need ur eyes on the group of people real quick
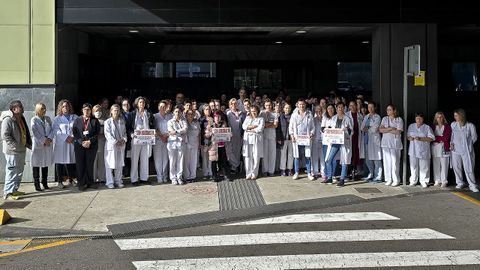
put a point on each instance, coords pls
(276, 135)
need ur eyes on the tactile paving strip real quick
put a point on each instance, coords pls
(239, 194)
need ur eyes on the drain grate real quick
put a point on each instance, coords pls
(14, 205)
(368, 190)
(239, 194)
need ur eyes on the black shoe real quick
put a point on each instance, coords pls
(226, 178)
(327, 181)
(146, 182)
(341, 183)
(92, 186)
(81, 188)
(45, 185)
(135, 184)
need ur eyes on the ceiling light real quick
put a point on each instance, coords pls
(301, 32)
(133, 31)
(278, 42)
(365, 42)
(151, 42)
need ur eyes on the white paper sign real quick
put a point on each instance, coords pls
(334, 136)
(303, 140)
(222, 134)
(144, 137)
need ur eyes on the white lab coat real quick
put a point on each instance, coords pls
(301, 126)
(253, 138)
(63, 152)
(373, 149)
(42, 155)
(361, 148)
(419, 149)
(115, 131)
(389, 140)
(175, 146)
(391, 150)
(463, 153)
(346, 148)
(160, 152)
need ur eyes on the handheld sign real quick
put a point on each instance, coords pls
(334, 136)
(222, 134)
(144, 137)
(303, 140)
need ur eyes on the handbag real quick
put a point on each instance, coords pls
(213, 152)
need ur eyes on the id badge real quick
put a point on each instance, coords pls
(85, 133)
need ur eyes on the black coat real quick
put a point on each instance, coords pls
(93, 131)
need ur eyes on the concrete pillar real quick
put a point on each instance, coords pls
(388, 41)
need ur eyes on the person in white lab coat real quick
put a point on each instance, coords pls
(191, 147)
(177, 131)
(420, 135)
(42, 146)
(99, 174)
(269, 138)
(358, 152)
(327, 122)
(301, 124)
(441, 149)
(116, 139)
(464, 135)
(391, 127)
(63, 147)
(160, 152)
(252, 142)
(242, 95)
(139, 119)
(235, 119)
(318, 160)
(344, 122)
(286, 151)
(372, 143)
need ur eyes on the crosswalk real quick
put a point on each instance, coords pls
(337, 260)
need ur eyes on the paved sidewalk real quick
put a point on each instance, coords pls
(70, 211)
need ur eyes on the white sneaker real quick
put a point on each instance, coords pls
(460, 186)
(310, 177)
(295, 176)
(120, 185)
(437, 184)
(412, 184)
(474, 189)
(110, 186)
(395, 184)
(388, 183)
(444, 184)
(424, 185)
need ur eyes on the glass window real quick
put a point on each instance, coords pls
(465, 76)
(157, 70)
(354, 76)
(266, 80)
(196, 70)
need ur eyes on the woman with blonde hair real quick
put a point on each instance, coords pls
(441, 149)
(63, 146)
(235, 119)
(116, 139)
(99, 163)
(42, 146)
(464, 135)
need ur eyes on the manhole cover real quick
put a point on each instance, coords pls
(368, 190)
(200, 189)
(14, 205)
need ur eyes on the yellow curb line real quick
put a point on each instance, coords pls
(466, 197)
(54, 244)
(15, 242)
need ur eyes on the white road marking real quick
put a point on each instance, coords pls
(324, 217)
(281, 238)
(317, 261)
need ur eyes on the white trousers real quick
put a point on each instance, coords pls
(206, 163)
(318, 161)
(251, 163)
(391, 164)
(175, 157)
(286, 155)
(111, 179)
(440, 169)
(269, 155)
(139, 154)
(419, 169)
(458, 163)
(236, 143)
(160, 155)
(190, 165)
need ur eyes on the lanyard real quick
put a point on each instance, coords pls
(85, 124)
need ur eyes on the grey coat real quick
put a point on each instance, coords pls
(11, 135)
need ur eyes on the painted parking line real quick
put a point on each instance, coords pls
(40, 247)
(324, 217)
(466, 197)
(281, 238)
(318, 261)
(9, 246)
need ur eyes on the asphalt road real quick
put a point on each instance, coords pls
(448, 224)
